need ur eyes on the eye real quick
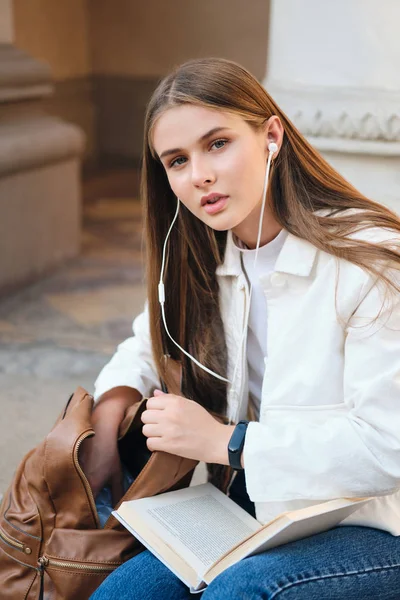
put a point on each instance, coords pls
(172, 163)
(219, 142)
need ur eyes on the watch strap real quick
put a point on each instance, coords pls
(236, 445)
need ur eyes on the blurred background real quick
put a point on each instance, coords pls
(75, 77)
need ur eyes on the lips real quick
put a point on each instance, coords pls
(212, 198)
(213, 208)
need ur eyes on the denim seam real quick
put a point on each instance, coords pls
(320, 577)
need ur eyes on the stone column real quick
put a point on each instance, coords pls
(39, 169)
(333, 67)
(6, 22)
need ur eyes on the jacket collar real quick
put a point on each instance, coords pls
(231, 264)
(297, 257)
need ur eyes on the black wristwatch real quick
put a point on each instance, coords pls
(236, 444)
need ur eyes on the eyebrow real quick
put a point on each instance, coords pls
(203, 137)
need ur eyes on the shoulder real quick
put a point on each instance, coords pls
(364, 230)
(354, 279)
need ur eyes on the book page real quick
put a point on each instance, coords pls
(163, 552)
(200, 523)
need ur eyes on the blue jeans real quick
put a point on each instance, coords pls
(345, 563)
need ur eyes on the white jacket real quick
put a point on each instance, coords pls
(330, 409)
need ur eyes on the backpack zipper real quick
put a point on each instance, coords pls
(44, 561)
(84, 478)
(14, 543)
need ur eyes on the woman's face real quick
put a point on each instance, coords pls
(206, 151)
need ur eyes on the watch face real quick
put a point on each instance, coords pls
(235, 446)
(237, 439)
(232, 449)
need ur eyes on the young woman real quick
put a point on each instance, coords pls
(311, 354)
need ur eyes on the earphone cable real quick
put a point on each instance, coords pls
(233, 418)
(161, 297)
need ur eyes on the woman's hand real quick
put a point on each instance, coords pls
(180, 426)
(99, 458)
(98, 455)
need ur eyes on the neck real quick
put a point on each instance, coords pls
(247, 231)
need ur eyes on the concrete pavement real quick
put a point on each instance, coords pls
(58, 333)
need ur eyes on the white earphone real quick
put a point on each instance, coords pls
(272, 148)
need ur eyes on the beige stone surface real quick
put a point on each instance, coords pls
(120, 207)
(40, 224)
(32, 141)
(93, 307)
(145, 39)
(73, 101)
(6, 22)
(6, 327)
(55, 31)
(59, 332)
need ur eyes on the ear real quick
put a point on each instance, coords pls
(274, 133)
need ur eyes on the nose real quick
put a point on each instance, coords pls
(202, 173)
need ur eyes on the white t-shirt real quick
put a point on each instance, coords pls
(258, 317)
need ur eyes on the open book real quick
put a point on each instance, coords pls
(198, 532)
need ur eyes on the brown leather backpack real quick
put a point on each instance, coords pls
(51, 546)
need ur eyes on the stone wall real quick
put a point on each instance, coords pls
(107, 57)
(39, 169)
(135, 43)
(58, 33)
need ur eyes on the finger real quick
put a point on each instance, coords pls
(157, 402)
(154, 444)
(151, 430)
(151, 416)
(158, 392)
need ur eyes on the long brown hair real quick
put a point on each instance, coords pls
(301, 183)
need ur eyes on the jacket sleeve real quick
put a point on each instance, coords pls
(132, 364)
(352, 450)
